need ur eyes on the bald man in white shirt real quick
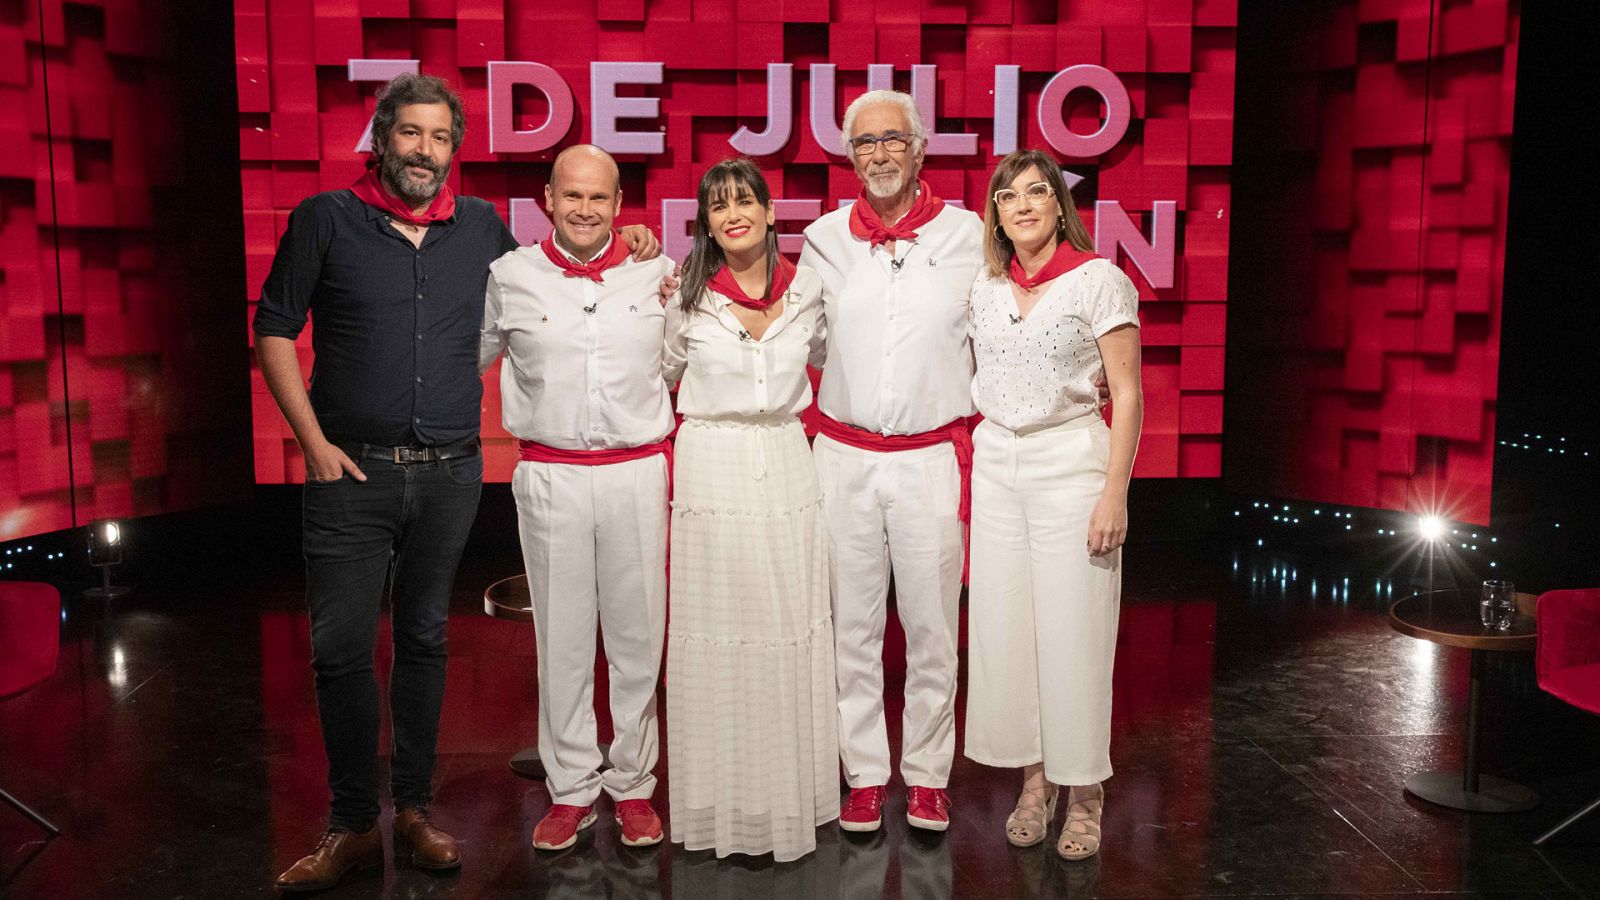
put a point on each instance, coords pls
(581, 389)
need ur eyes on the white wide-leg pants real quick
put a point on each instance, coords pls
(1041, 612)
(894, 509)
(594, 540)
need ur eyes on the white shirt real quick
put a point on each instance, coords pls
(1040, 371)
(728, 374)
(583, 371)
(898, 360)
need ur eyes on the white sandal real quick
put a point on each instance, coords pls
(1080, 836)
(1026, 826)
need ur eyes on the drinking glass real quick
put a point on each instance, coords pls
(1497, 604)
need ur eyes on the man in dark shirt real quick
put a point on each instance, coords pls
(394, 271)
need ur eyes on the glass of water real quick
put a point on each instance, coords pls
(1497, 604)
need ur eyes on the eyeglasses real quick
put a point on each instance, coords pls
(1036, 194)
(892, 141)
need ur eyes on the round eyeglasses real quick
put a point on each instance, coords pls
(892, 141)
(1036, 194)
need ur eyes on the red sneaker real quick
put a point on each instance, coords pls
(928, 808)
(863, 809)
(640, 825)
(559, 828)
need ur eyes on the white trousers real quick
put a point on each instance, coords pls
(1041, 612)
(898, 510)
(594, 540)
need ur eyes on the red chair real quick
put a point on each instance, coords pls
(30, 640)
(1568, 661)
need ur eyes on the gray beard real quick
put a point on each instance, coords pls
(393, 169)
(881, 187)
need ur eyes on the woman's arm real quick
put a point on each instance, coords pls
(1119, 352)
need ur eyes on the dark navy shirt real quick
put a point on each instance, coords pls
(396, 336)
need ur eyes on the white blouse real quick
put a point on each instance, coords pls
(725, 373)
(1040, 371)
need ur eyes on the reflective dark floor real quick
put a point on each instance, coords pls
(1263, 729)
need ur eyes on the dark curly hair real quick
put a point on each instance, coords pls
(406, 90)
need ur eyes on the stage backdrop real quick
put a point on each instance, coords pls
(1374, 162)
(1135, 98)
(121, 382)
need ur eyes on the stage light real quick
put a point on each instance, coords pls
(105, 551)
(1430, 527)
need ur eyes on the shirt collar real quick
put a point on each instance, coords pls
(569, 255)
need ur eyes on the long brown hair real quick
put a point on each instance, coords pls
(997, 250)
(727, 180)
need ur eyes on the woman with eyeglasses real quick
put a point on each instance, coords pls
(751, 690)
(1049, 500)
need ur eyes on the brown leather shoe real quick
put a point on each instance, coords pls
(337, 853)
(429, 847)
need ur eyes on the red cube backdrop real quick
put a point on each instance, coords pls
(301, 117)
(1365, 370)
(112, 402)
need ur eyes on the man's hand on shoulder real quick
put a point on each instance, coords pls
(670, 284)
(642, 243)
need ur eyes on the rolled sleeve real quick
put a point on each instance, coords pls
(296, 271)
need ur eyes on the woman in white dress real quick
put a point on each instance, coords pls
(753, 765)
(1049, 500)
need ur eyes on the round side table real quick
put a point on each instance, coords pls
(1451, 618)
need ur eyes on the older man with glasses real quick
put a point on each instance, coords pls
(894, 451)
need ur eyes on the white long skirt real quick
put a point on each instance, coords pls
(753, 752)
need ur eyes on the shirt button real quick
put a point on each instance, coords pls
(419, 297)
(419, 335)
(419, 379)
(760, 381)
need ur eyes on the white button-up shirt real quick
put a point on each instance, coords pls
(583, 371)
(726, 373)
(898, 361)
(1040, 371)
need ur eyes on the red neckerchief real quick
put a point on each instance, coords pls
(593, 269)
(866, 225)
(1065, 258)
(371, 192)
(725, 284)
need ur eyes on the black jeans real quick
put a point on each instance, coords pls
(407, 523)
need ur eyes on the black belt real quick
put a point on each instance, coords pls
(412, 454)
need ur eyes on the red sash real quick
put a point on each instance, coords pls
(533, 451)
(956, 433)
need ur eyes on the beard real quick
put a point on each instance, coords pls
(407, 188)
(885, 181)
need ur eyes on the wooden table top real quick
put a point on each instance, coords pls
(509, 599)
(1451, 617)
